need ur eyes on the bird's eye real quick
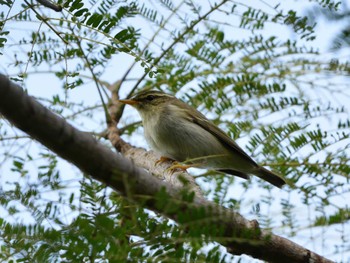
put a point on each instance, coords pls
(150, 97)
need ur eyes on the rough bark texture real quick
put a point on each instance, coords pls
(240, 235)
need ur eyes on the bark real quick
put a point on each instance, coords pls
(170, 198)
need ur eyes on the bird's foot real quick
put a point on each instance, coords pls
(181, 167)
(175, 165)
(164, 159)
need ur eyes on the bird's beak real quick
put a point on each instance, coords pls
(130, 102)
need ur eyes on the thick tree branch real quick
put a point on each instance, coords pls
(238, 234)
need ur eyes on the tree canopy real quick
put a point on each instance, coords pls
(253, 68)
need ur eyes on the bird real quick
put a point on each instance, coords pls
(181, 133)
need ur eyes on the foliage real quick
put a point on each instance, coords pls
(279, 97)
(341, 38)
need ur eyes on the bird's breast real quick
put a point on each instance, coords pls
(182, 140)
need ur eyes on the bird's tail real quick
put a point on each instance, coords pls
(270, 177)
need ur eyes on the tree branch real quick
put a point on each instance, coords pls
(51, 5)
(227, 227)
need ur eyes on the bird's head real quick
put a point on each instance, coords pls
(149, 101)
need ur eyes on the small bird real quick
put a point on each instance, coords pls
(181, 133)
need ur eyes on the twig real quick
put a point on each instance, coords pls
(97, 83)
(147, 45)
(45, 21)
(176, 40)
(126, 127)
(50, 5)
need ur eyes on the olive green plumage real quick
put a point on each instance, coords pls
(180, 132)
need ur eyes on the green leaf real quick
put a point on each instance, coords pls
(341, 216)
(94, 20)
(81, 12)
(121, 35)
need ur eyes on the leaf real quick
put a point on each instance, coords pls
(121, 34)
(81, 12)
(94, 20)
(341, 216)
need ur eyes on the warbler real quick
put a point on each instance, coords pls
(180, 132)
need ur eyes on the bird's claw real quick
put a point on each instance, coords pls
(181, 167)
(175, 165)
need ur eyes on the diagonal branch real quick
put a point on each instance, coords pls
(51, 5)
(194, 213)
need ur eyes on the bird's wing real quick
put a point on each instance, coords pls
(199, 119)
